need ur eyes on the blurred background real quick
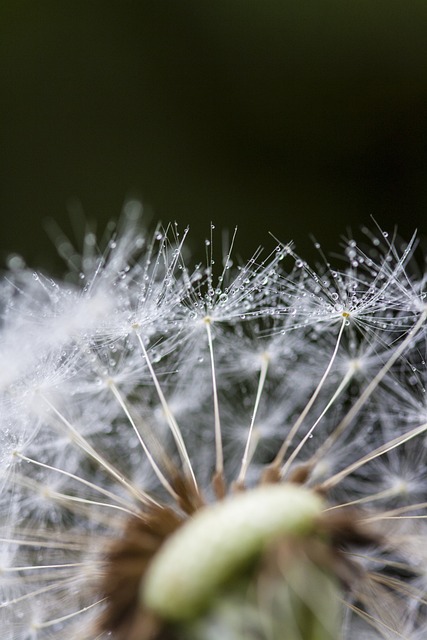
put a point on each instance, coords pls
(293, 118)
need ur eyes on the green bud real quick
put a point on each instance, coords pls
(219, 542)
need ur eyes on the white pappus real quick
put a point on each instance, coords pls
(269, 418)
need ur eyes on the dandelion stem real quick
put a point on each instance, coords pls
(36, 567)
(373, 621)
(387, 493)
(51, 623)
(58, 584)
(96, 487)
(364, 396)
(393, 513)
(348, 376)
(90, 451)
(219, 467)
(42, 544)
(265, 361)
(155, 467)
(282, 451)
(63, 497)
(388, 446)
(173, 425)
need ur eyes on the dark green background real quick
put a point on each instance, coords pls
(291, 117)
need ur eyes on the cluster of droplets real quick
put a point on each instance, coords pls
(137, 364)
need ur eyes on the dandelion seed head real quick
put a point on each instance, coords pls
(142, 396)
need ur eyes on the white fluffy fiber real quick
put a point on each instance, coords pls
(104, 373)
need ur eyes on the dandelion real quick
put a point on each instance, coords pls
(235, 450)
